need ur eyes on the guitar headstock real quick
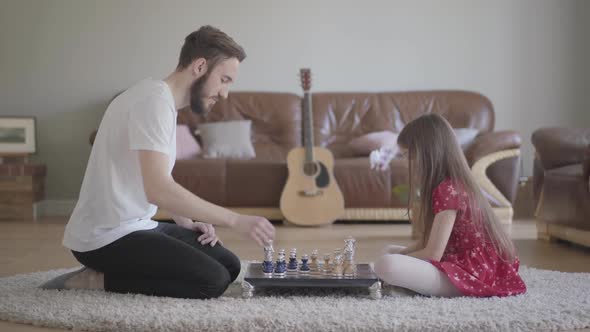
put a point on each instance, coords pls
(305, 76)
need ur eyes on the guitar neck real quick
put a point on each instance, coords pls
(308, 128)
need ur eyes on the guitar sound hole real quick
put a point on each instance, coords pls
(310, 169)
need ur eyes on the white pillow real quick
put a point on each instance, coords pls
(364, 145)
(465, 136)
(228, 139)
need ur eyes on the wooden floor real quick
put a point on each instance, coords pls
(29, 247)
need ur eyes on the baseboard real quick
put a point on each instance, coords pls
(504, 214)
(549, 232)
(61, 208)
(55, 208)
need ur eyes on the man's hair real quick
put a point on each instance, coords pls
(211, 44)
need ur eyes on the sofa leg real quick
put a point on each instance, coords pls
(557, 232)
(543, 232)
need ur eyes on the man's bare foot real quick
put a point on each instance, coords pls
(86, 279)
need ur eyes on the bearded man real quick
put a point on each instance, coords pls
(128, 177)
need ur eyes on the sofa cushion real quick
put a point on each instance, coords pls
(227, 139)
(462, 109)
(276, 120)
(187, 146)
(340, 117)
(255, 183)
(204, 177)
(365, 144)
(361, 186)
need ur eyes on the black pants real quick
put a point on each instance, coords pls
(165, 261)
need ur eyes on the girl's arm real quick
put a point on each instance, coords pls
(439, 236)
(392, 249)
(411, 248)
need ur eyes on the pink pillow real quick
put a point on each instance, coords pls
(187, 146)
(363, 145)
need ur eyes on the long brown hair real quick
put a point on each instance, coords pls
(434, 155)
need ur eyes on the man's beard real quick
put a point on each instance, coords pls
(197, 95)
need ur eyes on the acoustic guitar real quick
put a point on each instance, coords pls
(311, 195)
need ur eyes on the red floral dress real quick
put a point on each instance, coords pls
(470, 260)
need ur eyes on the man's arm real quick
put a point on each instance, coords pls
(181, 221)
(163, 191)
(442, 227)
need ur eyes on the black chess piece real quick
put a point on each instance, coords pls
(304, 266)
(281, 265)
(292, 266)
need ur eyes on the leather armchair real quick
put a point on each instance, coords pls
(561, 183)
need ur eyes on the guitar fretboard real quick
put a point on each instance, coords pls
(308, 127)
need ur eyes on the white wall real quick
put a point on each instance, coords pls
(583, 91)
(63, 60)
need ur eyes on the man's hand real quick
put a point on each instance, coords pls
(208, 236)
(257, 228)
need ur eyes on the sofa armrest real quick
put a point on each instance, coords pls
(494, 159)
(489, 143)
(557, 147)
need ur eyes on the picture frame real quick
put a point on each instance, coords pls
(17, 135)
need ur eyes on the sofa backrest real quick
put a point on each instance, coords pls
(276, 120)
(340, 117)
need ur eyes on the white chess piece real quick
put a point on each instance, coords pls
(268, 251)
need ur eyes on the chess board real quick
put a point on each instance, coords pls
(364, 278)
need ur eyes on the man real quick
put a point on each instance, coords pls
(129, 176)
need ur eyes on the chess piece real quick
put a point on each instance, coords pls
(267, 265)
(292, 267)
(337, 265)
(349, 266)
(327, 269)
(314, 266)
(304, 266)
(281, 265)
(337, 251)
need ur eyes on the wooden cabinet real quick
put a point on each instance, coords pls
(22, 186)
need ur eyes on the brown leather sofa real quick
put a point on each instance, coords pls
(561, 183)
(254, 186)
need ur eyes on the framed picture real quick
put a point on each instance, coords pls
(17, 135)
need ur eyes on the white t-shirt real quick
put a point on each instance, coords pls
(112, 200)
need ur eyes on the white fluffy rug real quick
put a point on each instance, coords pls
(554, 301)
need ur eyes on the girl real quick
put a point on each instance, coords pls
(462, 249)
